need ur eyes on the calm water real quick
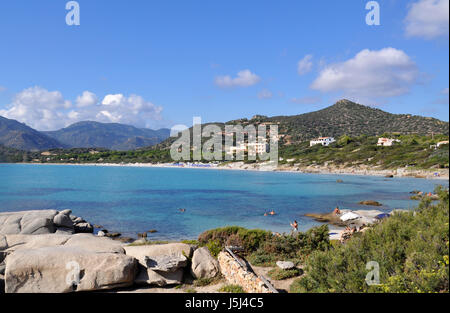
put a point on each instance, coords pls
(131, 200)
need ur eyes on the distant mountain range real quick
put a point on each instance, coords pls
(344, 117)
(17, 135)
(79, 135)
(112, 136)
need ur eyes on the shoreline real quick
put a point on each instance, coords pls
(264, 167)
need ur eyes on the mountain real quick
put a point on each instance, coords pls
(108, 135)
(344, 117)
(14, 134)
(347, 117)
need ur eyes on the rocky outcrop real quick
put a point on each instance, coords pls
(204, 265)
(285, 265)
(65, 269)
(42, 222)
(160, 264)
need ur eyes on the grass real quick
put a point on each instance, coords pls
(280, 274)
(231, 289)
(201, 282)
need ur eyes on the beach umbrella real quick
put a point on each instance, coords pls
(382, 215)
(349, 216)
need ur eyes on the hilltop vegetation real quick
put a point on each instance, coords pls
(412, 151)
(352, 119)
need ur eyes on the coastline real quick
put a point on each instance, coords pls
(442, 174)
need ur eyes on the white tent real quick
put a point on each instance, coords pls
(349, 216)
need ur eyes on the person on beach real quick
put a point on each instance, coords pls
(337, 211)
(294, 226)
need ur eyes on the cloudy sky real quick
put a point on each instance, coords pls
(159, 63)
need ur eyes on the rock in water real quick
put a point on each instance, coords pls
(84, 228)
(204, 265)
(285, 265)
(57, 269)
(370, 202)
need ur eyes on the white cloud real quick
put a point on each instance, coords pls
(369, 75)
(38, 108)
(45, 110)
(245, 78)
(265, 94)
(305, 65)
(428, 19)
(86, 99)
(445, 91)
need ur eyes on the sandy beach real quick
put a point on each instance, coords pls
(440, 174)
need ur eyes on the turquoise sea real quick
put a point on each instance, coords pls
(136, 199)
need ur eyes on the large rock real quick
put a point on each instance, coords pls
(93, 243)
(160, 264)
(62, 220)
(285, 265)
(166, 263)
(151, 251)
(204, 265)
(84, 228)
(150, 277)
(54, 270)
(18, 242)
(27, 222)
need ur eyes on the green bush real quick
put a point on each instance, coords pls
(411, 248)
(294, 247)
(280, 274)
(231, 289)
(249, 239)
(214, 247)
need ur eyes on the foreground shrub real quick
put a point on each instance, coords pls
(231, 289)
(296, 247)
(249, 239)
(411, 249)
(280, 274)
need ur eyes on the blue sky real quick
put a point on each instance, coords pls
(159, 63)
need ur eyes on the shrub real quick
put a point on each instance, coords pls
(411, 248)
(280, 274)
(249, 239)
(231, 289)
(294, 247)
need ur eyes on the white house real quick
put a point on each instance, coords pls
(324, 141)
(386, 142)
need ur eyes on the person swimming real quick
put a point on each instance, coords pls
(272, 212)
(182, 210)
